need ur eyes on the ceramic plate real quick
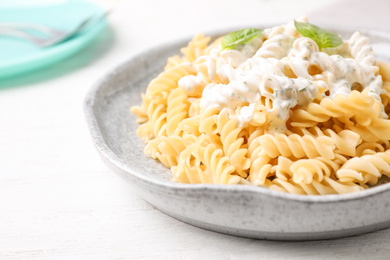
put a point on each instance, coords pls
(20, 56)
(246, 211)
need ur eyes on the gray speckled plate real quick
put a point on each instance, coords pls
(247, 211)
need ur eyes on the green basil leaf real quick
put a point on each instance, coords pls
(235, 39)
(323, 38)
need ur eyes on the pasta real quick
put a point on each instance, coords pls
(277, 108)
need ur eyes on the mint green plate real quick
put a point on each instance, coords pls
(20, 56)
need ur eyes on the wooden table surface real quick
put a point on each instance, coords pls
(58, 200)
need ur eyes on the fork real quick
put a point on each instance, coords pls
(47, 36)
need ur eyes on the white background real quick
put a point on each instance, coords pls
(57, 198)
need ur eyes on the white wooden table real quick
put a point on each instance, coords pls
(57, 198)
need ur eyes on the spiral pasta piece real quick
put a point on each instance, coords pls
(168, 149)
(195, 48)
(194, 109)
(327, 186)
(177, 109)
(156, 126)
(366, 169)
(159, 88)
(345, 141)
(372, 147)
(384, 70)
(254, 146)
(188, 126)
(356, 104)
(307, 170)
(218, 165)
(232, 145)
(208, 121)
(260, 169)
(207, 69)
(297, 146)
(380, 128)
(173, 61)
(275, 46)
(385, 97)
(189, 168)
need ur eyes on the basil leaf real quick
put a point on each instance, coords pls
(323, 38)
(235, 39)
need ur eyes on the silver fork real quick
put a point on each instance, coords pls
(47, 36)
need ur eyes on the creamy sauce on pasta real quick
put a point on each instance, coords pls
(281, 70)
(191, 84)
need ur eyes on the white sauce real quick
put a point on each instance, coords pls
(192, 84)
(259, 70)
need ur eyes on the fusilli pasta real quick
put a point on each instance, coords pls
(273, 108)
